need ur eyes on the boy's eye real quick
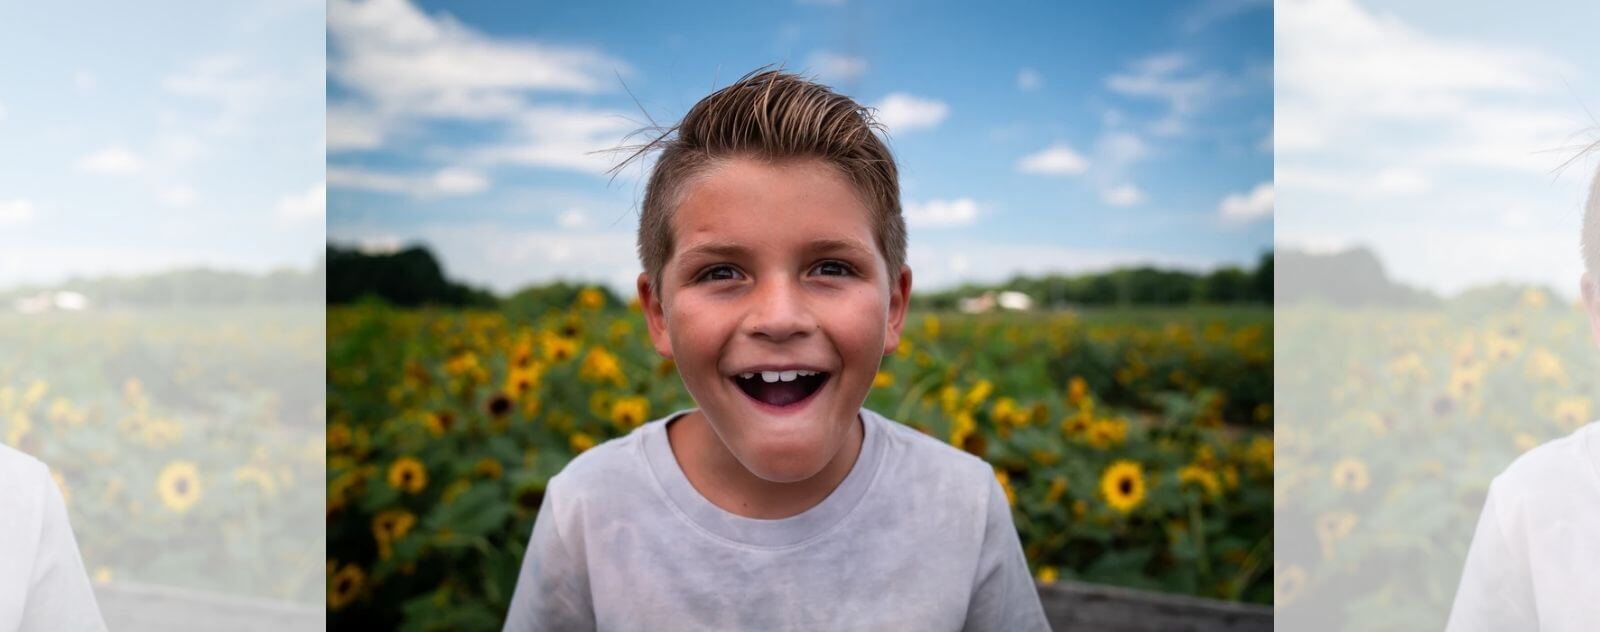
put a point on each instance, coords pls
(719, 273)
(832, 268)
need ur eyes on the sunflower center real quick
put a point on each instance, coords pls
(1125, 486)
(182, 486)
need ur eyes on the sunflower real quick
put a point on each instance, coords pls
(261, 478)
(558, 349)
(1333, 527)
(1058, 486)
(345, 585)
(1572, 412)
(629, 412)
(1077, 391)
(580, 442)
(179, 485)
(338, 437)
(1351, 475)
(883, 379)
(498, 405)
(1048, 575)
(591, 299)
(1123, 485)
(388, 527)
(599, 366)
(1106, 433)
(1203, 477)
(488, 467)
(407, 474)
(1290, 583)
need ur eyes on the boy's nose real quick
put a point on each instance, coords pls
(780, 312)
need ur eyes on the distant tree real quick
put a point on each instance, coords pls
(408, 278)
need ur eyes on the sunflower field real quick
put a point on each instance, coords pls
(1134, 445)
(186, 442)
(1392, 424)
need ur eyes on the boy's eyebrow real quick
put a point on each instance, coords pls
(836, 245)
(717, 248)
(734, 249)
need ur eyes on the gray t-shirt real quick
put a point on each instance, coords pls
(918, 536)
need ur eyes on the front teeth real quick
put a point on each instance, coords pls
(778, 376)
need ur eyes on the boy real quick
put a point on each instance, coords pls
(43, 586)
(1535, 559)
(775, 278)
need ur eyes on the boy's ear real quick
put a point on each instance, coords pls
(899, 301)
(1591, 305)
(654, 317)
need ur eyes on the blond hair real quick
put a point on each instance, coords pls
(770, 115)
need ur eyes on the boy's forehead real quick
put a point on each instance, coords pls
(745, 206)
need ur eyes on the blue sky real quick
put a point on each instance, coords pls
(137, 137)
(1433, 131)
(1032, 137)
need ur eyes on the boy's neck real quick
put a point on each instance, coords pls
(721, 479)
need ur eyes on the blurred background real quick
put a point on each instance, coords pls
(1428, 329)
(1093, 182)
(161, 319)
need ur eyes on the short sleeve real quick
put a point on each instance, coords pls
(552, 590)
(1496, 591)
(1003, 594)
(60, 598)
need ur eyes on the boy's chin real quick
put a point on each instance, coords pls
(783, 464)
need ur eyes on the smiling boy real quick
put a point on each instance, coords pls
(775, 278)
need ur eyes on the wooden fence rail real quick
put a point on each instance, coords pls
(1068, 605)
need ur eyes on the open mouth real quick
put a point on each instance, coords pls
(781, 388)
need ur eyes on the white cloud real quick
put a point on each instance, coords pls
(380, 245)
(901, 112)
(404, 60)
(177, 196)
(444, 182)
(111, 160)
(561, 138)
(573, 218)
(458, 181)
(351, 128)
(941, 213)
(1350, 78)
(1056, 160)
(833, 67)
(16, 211)
(240, 92)
(311, 205)
(1122, 195)
(1163, 77)
(1029, 80)
(1243, 207)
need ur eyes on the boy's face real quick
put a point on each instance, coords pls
(775, 273)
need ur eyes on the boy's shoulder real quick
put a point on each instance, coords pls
(26, 479)
(614, 461)
(1550, 475)
(919, 457)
